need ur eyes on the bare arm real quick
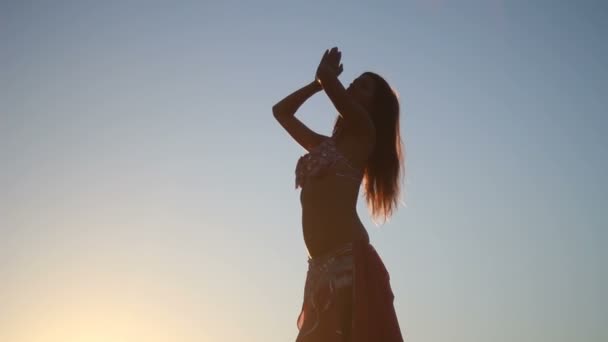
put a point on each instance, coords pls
(353, 113)
(284, 111)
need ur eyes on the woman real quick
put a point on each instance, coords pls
(347, 295)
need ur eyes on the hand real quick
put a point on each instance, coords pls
(330, 65)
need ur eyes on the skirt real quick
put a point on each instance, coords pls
(348, 298)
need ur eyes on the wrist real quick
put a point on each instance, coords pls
(316, 85)
(325, 75)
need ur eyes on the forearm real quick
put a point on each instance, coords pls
(349, 109)
(335, 91)
(290, 104)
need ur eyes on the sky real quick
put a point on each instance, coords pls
(147, 191)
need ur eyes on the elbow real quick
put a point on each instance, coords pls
(275, 111)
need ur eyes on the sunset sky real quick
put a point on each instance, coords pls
(147, 193)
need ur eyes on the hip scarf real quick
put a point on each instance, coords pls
(354, 278)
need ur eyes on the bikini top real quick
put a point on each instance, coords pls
(320, 159)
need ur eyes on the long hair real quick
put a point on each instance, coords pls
(385, 166)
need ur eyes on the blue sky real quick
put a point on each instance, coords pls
(148, 192)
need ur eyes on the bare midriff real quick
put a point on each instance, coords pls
(329, 213)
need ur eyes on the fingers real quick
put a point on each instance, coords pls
(332, 58)
(335, 53)
(325, 56)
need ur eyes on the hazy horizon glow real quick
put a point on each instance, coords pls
(147, 192)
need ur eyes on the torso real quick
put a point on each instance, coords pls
(329, 201)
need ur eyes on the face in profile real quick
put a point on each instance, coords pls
(362, 90)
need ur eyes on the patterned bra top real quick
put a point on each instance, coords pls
(320, 159)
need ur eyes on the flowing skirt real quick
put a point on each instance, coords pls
(348, 298)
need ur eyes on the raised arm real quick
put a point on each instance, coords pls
(284, 111)
(352, 112)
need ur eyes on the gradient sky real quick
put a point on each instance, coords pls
(147, 192)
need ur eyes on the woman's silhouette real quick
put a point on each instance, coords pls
(347, 295)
